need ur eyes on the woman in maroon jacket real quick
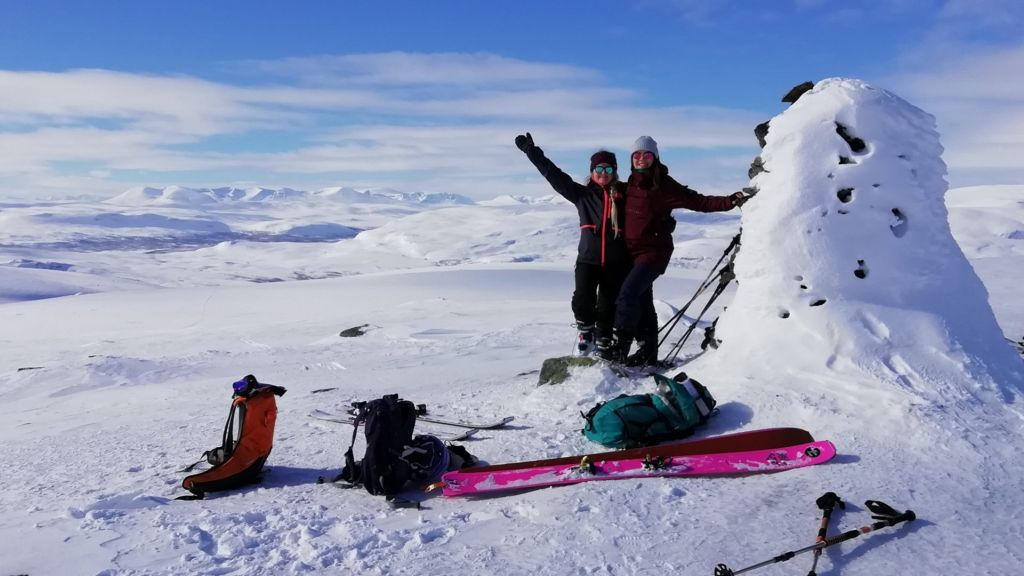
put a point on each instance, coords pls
(651, 195)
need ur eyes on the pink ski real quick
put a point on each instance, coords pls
(468, 482)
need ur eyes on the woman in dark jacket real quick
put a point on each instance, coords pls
(651, 195)
(602, 261)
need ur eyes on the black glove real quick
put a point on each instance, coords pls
(525, 143)
(739, 198)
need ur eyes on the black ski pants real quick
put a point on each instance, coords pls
(634, 309)
(597, 289)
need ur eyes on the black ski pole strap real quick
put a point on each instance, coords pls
(879, 508)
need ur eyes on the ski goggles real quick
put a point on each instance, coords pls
(604, 170)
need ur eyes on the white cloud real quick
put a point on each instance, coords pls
(388, 116)
(978, 101)
(426, 121)
(412, 69)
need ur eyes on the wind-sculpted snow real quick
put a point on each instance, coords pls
(847, 250)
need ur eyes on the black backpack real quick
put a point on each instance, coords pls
(389, 423)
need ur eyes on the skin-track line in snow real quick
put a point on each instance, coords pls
(444, 437)
(469, 482)
(740, 441)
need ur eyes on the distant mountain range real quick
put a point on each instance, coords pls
(180, 195)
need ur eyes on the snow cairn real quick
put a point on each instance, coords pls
(848, 264)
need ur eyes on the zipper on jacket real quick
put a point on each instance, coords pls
(604, 222)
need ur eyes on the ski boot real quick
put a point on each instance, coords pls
(646, 354)
(619, 348)
(584, 340)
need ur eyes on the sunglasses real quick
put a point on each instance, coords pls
(604, 170)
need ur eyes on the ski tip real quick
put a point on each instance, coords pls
(469, 433)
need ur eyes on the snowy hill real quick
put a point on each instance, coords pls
(178, 195)
(108, 394)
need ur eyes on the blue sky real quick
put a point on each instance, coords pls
(100, 96)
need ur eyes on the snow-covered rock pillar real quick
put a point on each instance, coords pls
(847, 260)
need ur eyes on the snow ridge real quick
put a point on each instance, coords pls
(183, 196)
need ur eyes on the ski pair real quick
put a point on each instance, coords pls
(749, 452)
(469, 482)
(443, 436)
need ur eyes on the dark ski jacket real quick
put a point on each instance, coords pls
(649, 222)
(598, 244)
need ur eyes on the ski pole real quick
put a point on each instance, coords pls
(671, 324)
(885, 514)
(725, 276)
(827, 503)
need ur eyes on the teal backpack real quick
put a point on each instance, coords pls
(679, 406)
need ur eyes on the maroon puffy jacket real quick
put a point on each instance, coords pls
(649, 222)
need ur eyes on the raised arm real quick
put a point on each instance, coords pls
(559, 180)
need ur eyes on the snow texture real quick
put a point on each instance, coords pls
(123, 325)
(847, 250)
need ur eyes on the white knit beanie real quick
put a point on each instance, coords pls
(647, 144)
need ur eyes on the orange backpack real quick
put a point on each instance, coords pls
(248, 439)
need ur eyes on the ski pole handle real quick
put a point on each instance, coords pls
(827, 503)
(904, 517)
(907, 516)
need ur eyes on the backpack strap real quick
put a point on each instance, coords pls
(633, 433)
(589, 416)
(196, 463)
(351, 471)
(221, 453)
